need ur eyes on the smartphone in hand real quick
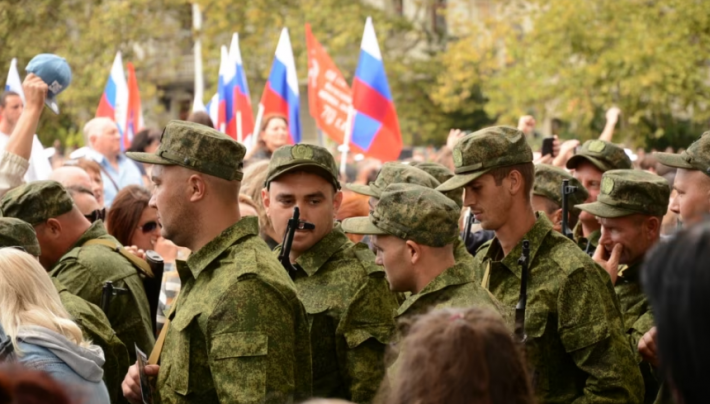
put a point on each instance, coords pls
(146, 391)
(547, 146)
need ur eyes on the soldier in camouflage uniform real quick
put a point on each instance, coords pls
(593, 159)
(93, 322)
(630, 208)
(350, 308)
(692, 180)
(547, 195)
(575, 344)
(398, 173)
(62, 232)
(415, 228)
(237, 332)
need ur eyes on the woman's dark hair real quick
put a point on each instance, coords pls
(201, 117)
(143, 139)
(126, 211)
(265, 123)
(458, 356)
(676, 279)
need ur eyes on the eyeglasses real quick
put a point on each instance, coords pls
(150, 226)
(98, 214)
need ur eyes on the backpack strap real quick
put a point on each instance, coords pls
(141, 264)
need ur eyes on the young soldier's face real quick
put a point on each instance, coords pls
(692, 200)
(392, 255)
(590, 177)
(316, 199)
(490, 203)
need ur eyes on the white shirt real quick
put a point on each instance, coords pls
(39, 169)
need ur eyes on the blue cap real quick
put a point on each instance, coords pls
(54, 71)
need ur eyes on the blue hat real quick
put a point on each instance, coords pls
(54, 71)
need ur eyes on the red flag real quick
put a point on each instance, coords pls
(329, 96)
(134, 115)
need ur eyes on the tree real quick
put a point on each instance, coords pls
(573, 60)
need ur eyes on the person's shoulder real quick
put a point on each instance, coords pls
(89, 316)
(251, 258)
(357, 257)
(562, 254)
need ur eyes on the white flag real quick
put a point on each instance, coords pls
(13, 82)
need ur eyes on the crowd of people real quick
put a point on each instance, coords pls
(469, 275)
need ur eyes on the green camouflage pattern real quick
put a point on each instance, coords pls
(238, 333)
(441, 174)
(455, 287)
(96, 328)
(351, 316)
(303, 157)
(638, 320)
(411, 212)
(84, 270)
(587, 244)
(197, 147)
(18, 233)
(548, 183)
(394, 173)
(628, 192)
(36, 202)
(477, 153)
(461, 254)
(697, 157)
(575, 345)
(602, 154)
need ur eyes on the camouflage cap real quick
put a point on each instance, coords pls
(197, 147)
(602, 154)
(18, 233)
(394, 173)
(627, 192)
(697, 157)
(410, 212)
(548, 183)
(442, 174)
(37, 201)
(479, 152)
(303, 157)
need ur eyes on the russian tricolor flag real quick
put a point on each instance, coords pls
(375, 126)
(114, 101)
(244, 116)
(225, 91)
(281, 91)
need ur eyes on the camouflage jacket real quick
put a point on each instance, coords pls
(576, 345)
(238, 333)
(96, 327)
(638, 320)
(83, 270)
(587, 244)
(461, 254)
(350, 311)
(452, 288)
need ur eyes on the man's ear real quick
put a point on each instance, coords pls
(653, 226)
(556, 216)
(515, 182)
(53, 228)
(196, 187)
(266, 199)
(337, 201)
(414, 251)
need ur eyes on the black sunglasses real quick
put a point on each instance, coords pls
(98, 214)
(150, 226)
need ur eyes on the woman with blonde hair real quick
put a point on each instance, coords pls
(42, 333)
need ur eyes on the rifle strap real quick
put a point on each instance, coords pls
(486, 276)
(158, 347)
(142, 265)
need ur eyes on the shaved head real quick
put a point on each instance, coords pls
(72, 177)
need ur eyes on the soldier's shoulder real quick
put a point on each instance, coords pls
(355, 260)
(89, 316)
(251, 258)
(563, 254)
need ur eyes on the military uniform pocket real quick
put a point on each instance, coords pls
(238, 364)
(177, 354)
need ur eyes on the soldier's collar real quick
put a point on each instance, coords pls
(321, 252)
(535, 235)
(631, 273)
(200, 259)
(458, 274)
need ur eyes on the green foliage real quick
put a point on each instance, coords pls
(572, 60)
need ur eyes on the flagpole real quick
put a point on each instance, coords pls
(198, 104)
(257, 126)
(346, 141)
